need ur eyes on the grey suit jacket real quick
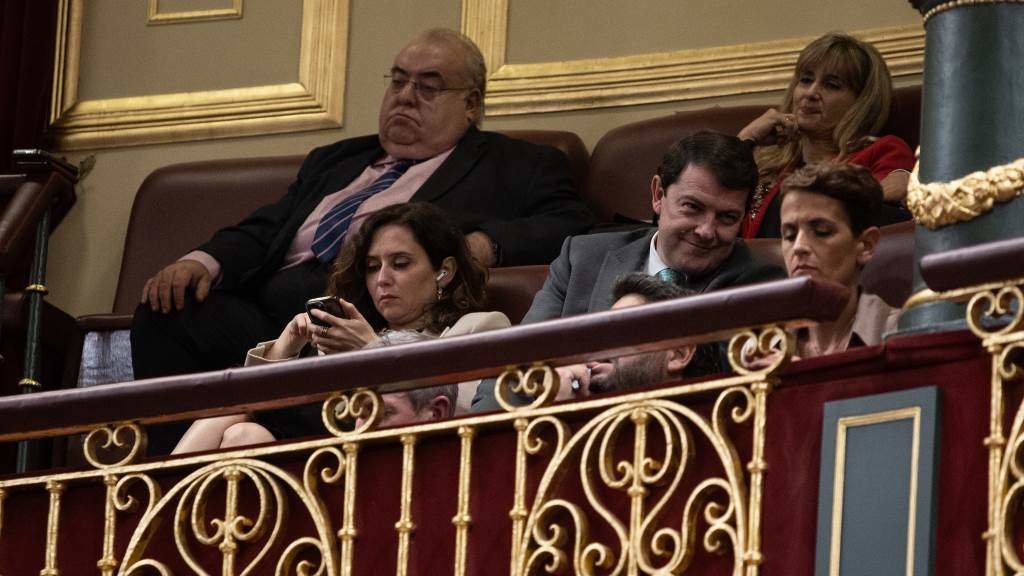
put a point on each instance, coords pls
(581, 279)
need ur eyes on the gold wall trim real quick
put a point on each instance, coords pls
(938, 204)
(913, 414)
(314, 102)
(656, 77)
(155, 17)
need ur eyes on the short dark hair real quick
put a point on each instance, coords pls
(853, 186)
(705, 358)
(440, 238)
(647, 287)
(730, 159)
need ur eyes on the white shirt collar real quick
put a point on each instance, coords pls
(654, 262)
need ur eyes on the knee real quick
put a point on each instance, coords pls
(244, 434)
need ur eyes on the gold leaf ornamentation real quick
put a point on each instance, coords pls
(939, 204)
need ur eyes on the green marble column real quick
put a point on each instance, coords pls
(972, 119)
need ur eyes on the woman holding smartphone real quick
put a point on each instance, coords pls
(407, 268)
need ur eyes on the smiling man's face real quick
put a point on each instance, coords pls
(698, 220)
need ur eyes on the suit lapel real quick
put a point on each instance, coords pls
(462, 159)
(618, 262)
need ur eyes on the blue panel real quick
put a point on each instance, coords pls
(876, 496)
(876, 483)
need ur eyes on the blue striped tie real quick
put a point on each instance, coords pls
(332, 227)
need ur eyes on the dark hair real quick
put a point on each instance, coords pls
(705, 358)
(440, 239)
(853, 186)
(730, 159)
(419, 398)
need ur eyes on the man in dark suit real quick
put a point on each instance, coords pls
(699, 196)
(515, 201)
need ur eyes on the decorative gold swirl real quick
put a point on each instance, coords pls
(138, 568)
(540, 382)
(287, 565)
(764, 350)
(650, 480)
(362, 408)
(231, 531)
(938, 204)
(112, 437)
(534, 444)
(996, 312)
(125, 502)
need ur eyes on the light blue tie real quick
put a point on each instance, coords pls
(333, 226)
(669, 276)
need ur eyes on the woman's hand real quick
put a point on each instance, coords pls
(294, 336)
(341, 334)
(772, 127)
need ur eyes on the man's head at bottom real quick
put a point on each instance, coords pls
(418, 405)
(634, 371)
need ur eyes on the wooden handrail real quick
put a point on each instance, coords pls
(702, 318)
(986, 263)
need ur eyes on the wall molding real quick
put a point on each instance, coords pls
(314, 102)
(655, 77)
(157, 18)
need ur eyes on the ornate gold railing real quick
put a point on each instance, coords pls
(637, 483)
(990, 278)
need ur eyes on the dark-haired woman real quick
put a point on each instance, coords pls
(408, 268)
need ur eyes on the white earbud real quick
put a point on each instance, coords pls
(441, 276)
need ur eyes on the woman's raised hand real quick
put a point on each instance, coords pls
(341, 334)
(770, 128)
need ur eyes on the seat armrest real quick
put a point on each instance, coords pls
(104, 322)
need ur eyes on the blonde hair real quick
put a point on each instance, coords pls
(862, 68)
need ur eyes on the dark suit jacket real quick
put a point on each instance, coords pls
(581, 279)
(520, 194)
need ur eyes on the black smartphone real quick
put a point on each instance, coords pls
(328, 304)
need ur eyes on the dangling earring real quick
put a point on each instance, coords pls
(440, 292)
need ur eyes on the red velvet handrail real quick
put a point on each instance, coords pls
(974, 265)
(705, 317)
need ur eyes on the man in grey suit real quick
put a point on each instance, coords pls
(700, 195)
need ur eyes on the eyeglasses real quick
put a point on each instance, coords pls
(424, 91)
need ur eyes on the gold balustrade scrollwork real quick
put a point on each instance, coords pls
(259, 524)
(761, 350)
(995, 314)
(538, 382)
(361, 409)
(642, 451)
(126, 437)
